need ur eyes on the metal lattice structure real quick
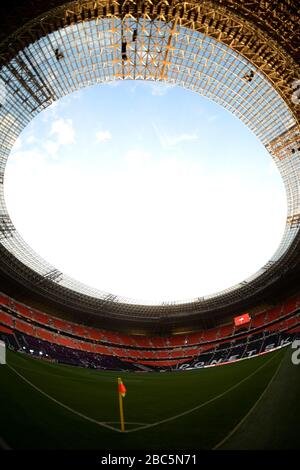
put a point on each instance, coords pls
(213, 48)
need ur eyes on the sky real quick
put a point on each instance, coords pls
(147, 191)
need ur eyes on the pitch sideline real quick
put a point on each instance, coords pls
(239, 424)
(211, 400)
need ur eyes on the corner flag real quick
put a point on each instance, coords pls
(122, 388)
(121, 393)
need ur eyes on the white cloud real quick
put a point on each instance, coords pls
(136, 158)
(160, 88)
(63, 130)
(167, 141)
(103, 136)
(172, 140)
(18, 144)
(31, 139)
(272, 168)
(51, 147)
(212, 118)
(113, 83)
(62, 133)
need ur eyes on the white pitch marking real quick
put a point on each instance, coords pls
(179, 415)
(99, 423)
(144, 426)
(127, 422)
(233, 431)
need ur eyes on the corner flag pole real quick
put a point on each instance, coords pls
(121, 394)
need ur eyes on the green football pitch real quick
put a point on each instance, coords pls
(49, 406)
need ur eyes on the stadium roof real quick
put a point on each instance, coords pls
(243, 55)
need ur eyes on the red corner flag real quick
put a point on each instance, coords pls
(242, 319)
(121, 393)
(122, 388)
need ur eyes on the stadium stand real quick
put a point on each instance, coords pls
(63, 341)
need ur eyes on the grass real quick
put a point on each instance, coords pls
(31, 420)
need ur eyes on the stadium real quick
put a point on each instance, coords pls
(202, 374)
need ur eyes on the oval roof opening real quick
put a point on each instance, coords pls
(147, 191)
